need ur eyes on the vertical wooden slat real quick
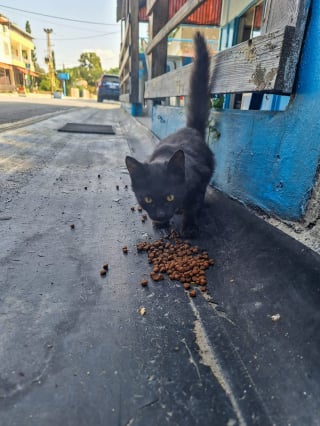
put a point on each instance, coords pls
(278, 14)
(171, 24)
(159, 18)
(134, 52)
(150, 5)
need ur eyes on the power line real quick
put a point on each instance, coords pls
(56, 17)
(81, 37)
(84, 38)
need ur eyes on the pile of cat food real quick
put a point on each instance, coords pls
(179, 260)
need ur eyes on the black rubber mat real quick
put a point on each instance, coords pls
(87, 128)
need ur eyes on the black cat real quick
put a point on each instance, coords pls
(175, 177)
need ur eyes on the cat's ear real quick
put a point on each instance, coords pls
(134, 167)
(176, 164)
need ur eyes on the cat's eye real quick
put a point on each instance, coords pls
(148, 200)
(170, 197)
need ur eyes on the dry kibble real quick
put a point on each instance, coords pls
(103, 272)
(125, 249)
(105, 266)
(156, 277)
(179, 260)
(144, 283)
(139, 209)
(192, 293)
(72, 226)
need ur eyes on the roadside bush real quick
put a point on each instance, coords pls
(45, 85)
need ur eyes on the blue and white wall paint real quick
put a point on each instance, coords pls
(268, 159)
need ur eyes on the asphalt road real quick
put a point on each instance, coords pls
(75, 348)
(14, 108)
(11, 112)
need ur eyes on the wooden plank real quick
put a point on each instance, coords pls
(122, 55)
(127, 30)
(125, 97)
(179, 17)
(125, 78)
(279, 13)
(125, 61)
(158, 57)
(150, 5)
(125, 42)
(134, 52)
(296, 45)
(174, 83)
(255, 65)
(119, 10)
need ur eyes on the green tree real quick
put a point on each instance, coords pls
(28, 27)
(33, 53)
(113, 71)
(53, 59)
(90, 68)
(45, 83)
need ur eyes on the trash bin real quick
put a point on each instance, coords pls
(58, 94)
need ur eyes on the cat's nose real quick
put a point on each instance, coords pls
(162, 215)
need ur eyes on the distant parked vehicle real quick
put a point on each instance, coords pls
(108, 87)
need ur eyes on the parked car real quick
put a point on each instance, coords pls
(108, 87)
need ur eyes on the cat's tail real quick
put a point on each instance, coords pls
(199, 94)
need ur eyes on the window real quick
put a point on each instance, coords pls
(250, 23)
(6, 48)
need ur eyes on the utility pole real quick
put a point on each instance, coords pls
(49, 60)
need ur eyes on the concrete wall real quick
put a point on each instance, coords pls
(267, 159)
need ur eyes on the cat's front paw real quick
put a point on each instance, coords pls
(160, 225)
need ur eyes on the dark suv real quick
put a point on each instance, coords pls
(108, 87)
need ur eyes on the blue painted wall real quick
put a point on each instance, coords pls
(267, 159)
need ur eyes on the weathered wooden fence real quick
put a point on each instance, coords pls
(266, 63)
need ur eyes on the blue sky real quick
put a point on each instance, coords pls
(69, 39)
